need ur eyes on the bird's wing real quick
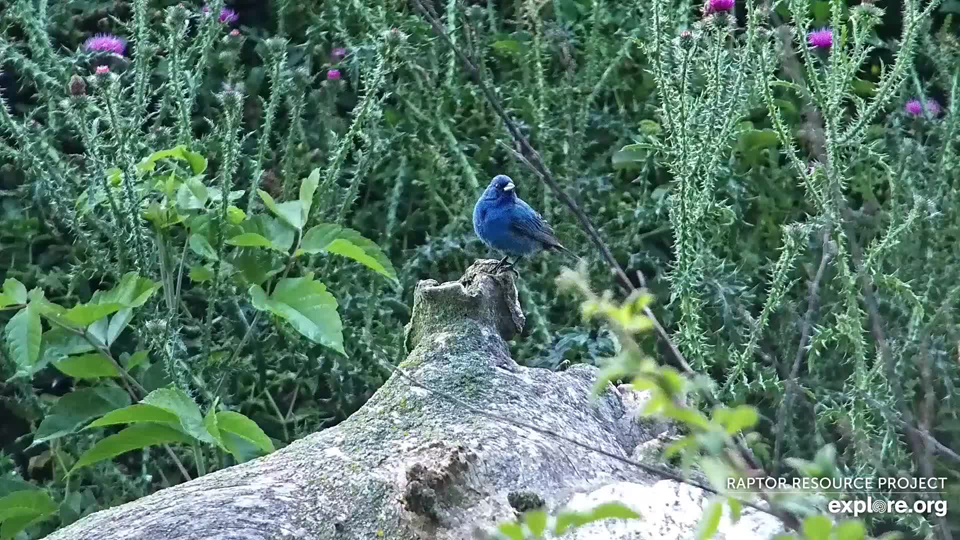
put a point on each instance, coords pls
(530, 223)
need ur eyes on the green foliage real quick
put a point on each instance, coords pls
(534, 524)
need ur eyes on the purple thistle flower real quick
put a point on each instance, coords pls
(333, 75)
(914, 107)
(339, 52)
(102, 70)
(227, 15)
(106, 43)
(821, 39)
(714, 6)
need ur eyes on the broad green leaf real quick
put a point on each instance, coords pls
(26, 502)
(753, 139)
(851, 529)
(255, 266)
(186, 410)
(351, 244)
(197, 189)
(186, 200)
(200, 274)
(14, 292)
(817, 528)
(118, 322)
(87, 366)
(612, 511)
(251, 240)
(235, 215)
(75, 409)
(513, 531)
(241, 426)
(24, 333)
(84, 315)
(307, 189)
(138, 412)
(201, 246)
(710, 520)
(132, 291)
(136, 359)
(629, 156)
(536, 521)
(210, 422)
(131, 438)
(510, 46)
(197, 162)
(741, 417)
(307, 306)
(290, 212)
(22, 508)
(318, 237)
(569, 520)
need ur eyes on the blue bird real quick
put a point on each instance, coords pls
(507, 224)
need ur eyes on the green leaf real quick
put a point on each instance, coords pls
(710, 521)
(197, 162)
(307, 189)
(736, 508)
(131, 438)
(817, 528)
(754, 139)
(117, 323)
(290, 212)
(201, 246)
(251, 240)
(87, 366)
(229, 422)
(132, 291)
(851, 529)
(200, 274)
(568, 520)
(629, 156)
(75, 409)
(536, 521)
(24, 333)
(185, 409)
(136, 413)
(512, 531)
(510, 46)
(26, 502)
(348, 243)
(197, 189)
(307, 306)
(84, 315)
(22, 508)
(741, 417)
(14, 292)
(210, 422)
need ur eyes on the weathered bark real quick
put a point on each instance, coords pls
(411, 465)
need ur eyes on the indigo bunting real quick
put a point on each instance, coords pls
(507, 224)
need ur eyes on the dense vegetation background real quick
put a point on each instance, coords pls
(708, 173)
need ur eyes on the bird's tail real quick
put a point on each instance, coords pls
(559, 247)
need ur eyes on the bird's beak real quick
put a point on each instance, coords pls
(509, 186)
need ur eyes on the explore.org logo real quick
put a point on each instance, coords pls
(856, 507)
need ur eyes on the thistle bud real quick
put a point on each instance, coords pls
(77, 86)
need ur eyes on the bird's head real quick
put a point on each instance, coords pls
(500, 187)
